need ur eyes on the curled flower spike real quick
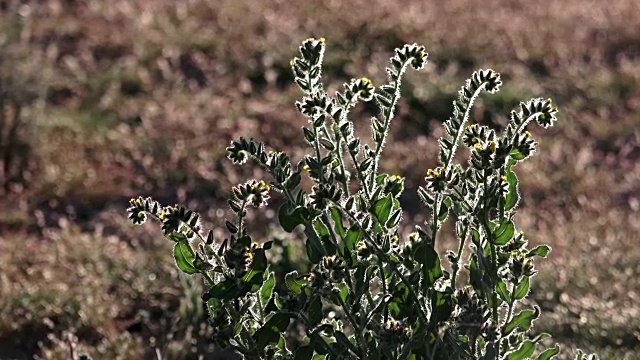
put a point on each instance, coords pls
(253, 192)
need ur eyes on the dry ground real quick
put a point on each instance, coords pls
(103, 100)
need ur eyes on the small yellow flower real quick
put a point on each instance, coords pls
(528, 133)
(262, 184)
(503, 177)
(322, 40)
(310, 39)
(492, 145)
(306, 168)
(292, 61)
(162, 214)
(396, 238)
(478, 146)
(365, 80)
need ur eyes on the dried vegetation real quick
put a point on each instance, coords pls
(104, 100)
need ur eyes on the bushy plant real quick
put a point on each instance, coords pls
(372, 293)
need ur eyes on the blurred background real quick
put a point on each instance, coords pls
(104, 100)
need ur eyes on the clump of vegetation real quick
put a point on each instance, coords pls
(371, 292)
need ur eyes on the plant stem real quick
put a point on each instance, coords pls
(512, 302)
(381, 254)
(384, 287)
(456, 265)
(434, 225)
(361, 342)
(363, 181)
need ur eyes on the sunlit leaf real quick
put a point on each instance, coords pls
(522, 289)
(266, 291)
(549, 353)
(522, 320)
(184, 257)
(523, 352)
(504, 232)
(541, 250)
(294, 282)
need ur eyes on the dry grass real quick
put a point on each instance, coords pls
(119, 98)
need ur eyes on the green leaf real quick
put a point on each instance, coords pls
(351, 238)
(337, 220)
(394, 219)
(475, 236)
(177, 237)
(321, 228)
(523, 320)
(522, 289)
(259, 261)
(343, 340)
(512, 197)
(293, 180)
(361, 284)
(327, 243)
(344, 291)
(549, 353)
(516, 154)
(524, 351)
(226, 290)
(443, 211)
(442, 306)
(266, 291)
(270, 332)
(290, 218)
(184, 257)
(381, 209)
(541, 250)
(501, 289)
(304, 353)
(315, 250)
(427, 256)
(315, 311)
(504, 232)
(279, 322)
(294, 282)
